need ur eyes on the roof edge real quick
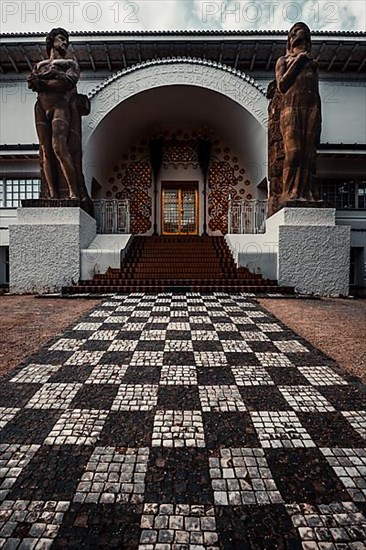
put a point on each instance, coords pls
(197, 32)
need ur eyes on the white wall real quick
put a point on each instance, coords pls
(343, 103)
(343, 110)
(8, 216)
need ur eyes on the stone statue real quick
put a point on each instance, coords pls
(276, 152)
(300, 115)
(58, 112)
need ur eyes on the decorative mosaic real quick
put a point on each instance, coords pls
(77, 427)
(178, 526)
(242, 476)
(35, 374)
(338, 525)
(114, 475)
(305, 399)
(357, 419)
(176, 432)
(131, 177)
(178, 429)
(322, 376)
(350, 467)
(280, 429)
(135, 397)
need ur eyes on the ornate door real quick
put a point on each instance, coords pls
(180, 210)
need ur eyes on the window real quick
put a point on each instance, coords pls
(343, 194)
(13, 191)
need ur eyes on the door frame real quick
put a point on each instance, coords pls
(177, 184)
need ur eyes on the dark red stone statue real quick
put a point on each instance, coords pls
(58, 112)
(296, 111)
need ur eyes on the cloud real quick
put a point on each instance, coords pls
(122, 15)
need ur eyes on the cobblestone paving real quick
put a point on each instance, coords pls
(181, 421)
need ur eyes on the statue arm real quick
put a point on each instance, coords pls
(287, 72)
(55, 80)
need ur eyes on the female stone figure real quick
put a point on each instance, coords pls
(300, 117)
(57, 114)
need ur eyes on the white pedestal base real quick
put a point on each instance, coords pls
(44, 248)
(303, 248)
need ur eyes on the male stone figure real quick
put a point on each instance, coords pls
(58, 113)
(300, 115)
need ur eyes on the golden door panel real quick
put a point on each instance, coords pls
(179, 211)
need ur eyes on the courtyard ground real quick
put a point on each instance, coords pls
(337, 327)
(27, 322)
(161, 422)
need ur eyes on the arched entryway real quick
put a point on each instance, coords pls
(180, 102)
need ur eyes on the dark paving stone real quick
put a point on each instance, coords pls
(215, 376)
(96, 345)
(303, 475)
(71, 373)
(202, 326)
(311, 359)
(262, 347)
(207, 345)
(178, 334)
(95, 396)
(229, 335)
(142, 375)
(247, 327)
(49, 357)
(156, 326)
(345, 398)
(266, 527)
(130, 334)
(150, 345)
(179, 397)
(241, 358)
(116, 358)
(13, 394)
(285, 376)
(331, 430)
(179, 358)
(229, 429)
(78, 334)
(29, 426)
(178, 476)
(127, 429)
(52, 474)
(100, 526)
(220, 318)
(264, 398)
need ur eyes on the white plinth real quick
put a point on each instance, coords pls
(44, 248)
(303, 248)
(103, 252)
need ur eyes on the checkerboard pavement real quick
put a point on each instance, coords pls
(181, 421)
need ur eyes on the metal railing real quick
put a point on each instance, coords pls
(112, 216)
(247, 216)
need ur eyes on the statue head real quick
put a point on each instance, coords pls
(60, 35)
(299, 33)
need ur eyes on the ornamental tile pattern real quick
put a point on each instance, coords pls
(181, 421)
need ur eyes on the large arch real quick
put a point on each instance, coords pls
(228, 82)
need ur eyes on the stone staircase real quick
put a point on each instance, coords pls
(175, 263)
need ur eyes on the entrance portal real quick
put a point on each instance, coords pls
(179, 208)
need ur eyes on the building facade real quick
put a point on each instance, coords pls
(181, 90)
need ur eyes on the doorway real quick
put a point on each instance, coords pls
(179, 208)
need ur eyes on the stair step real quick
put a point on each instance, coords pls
(168, 263)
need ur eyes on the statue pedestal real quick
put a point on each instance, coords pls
(303, 248)
(44, 248)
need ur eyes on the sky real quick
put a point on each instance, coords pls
(137, 15)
